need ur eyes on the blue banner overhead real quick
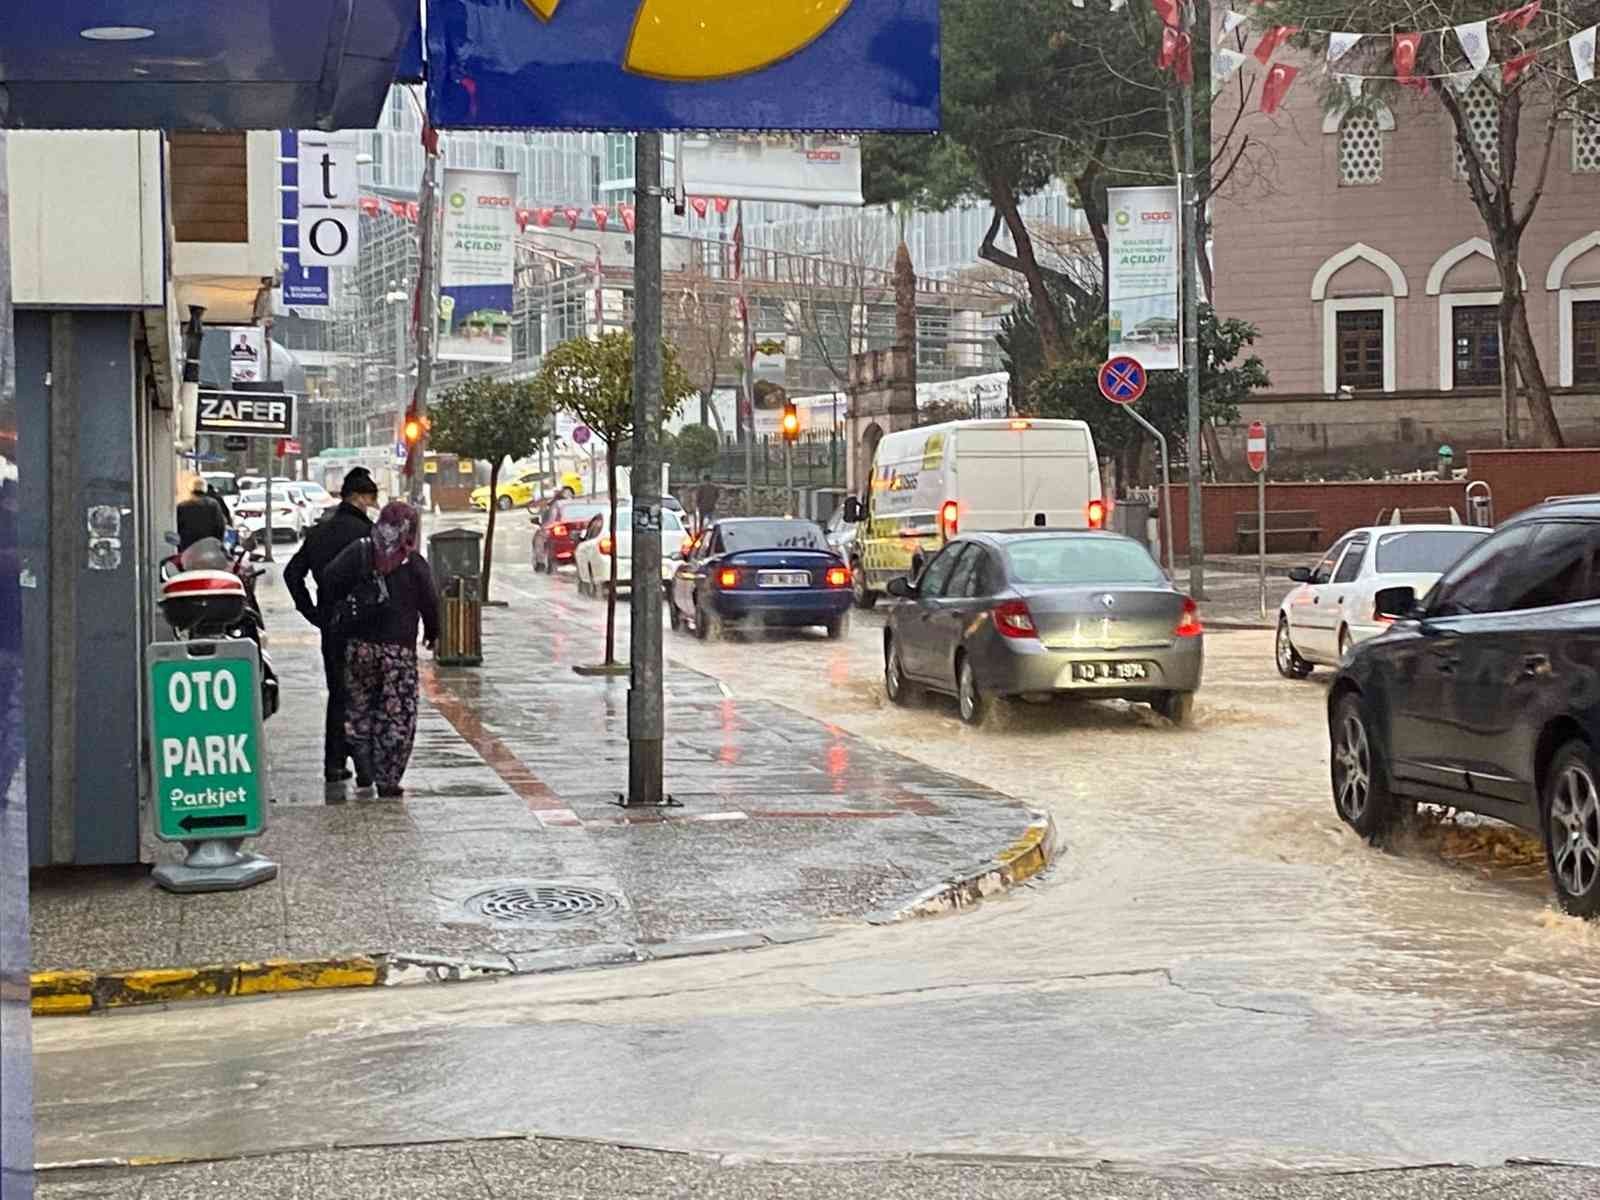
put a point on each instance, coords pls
(684, 64)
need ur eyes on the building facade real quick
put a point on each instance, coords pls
(1362, 260)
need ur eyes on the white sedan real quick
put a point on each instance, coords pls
(599, 543)
(1337, 602)
(288, 521)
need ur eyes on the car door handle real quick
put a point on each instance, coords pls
(1535, 666)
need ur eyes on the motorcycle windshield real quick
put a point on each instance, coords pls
(205, 555)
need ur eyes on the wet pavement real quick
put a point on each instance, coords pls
(509, 849)
(1217, 977)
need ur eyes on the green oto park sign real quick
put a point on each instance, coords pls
(206, 749)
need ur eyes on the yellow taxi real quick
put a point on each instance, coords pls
(519, 492)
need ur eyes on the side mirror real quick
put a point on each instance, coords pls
(172, 539)
(901, 588)
(1397, 603)
(1300, 574)
(852, 510)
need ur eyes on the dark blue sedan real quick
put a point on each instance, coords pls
(762, 571)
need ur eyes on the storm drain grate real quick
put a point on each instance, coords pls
(540, 904)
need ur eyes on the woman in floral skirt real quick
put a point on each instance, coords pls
(381, 653)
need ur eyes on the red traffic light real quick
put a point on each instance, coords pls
(413, 428)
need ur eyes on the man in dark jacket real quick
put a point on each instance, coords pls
(201, 516)
(346, 524)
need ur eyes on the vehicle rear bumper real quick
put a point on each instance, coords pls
(1020, 666)
(814, 607)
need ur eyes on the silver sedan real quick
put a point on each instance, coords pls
(1044, 612)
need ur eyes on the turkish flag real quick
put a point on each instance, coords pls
(544, 216)
(1279, 80)
(397, 207)
(1406, 46)
(698, 203)
(1519, 18)
(627, 216)
(1168, 54)
(1184, 60)
(524, 215)
(413, 210)
(370, 206)
(1167, 10)
(1271, 40)
(722, 203)
(572, 215)
(1514, 67)
(601, 215)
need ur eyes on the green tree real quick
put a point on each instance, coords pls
(493, 420)
(593, 380)
(1506, 179)
(1072, 390)
(697, 450)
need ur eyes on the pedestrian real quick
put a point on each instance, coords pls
(347, 523)
(381, 651)
(200, 516)
(705, 501)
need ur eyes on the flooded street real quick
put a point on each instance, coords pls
(1215, 975)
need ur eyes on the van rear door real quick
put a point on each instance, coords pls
(1040, 475)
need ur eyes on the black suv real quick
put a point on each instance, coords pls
(1485, 696)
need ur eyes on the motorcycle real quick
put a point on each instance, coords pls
(208, 594)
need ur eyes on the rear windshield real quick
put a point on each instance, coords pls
(580, 512)
(773, 535)
(1083, 560)
(1425, 551)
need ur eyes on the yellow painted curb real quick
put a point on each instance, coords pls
(60, 993)
(1029, 854)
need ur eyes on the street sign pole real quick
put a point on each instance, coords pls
(1255, 452)
(1122, 381)
(646, 724)
(1166, 485)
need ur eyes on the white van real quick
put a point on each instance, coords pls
(932, 483)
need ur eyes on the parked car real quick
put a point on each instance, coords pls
(1040, 613)
(288, 522)
(600, 543)
(319, 499)
(761, 571)
(1485, 696)
(1336, 603)
(513, 493)
(556, 530)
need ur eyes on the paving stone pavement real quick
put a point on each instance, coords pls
(787, 824)
(517, 1168)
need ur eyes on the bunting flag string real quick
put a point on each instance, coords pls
(528, 214)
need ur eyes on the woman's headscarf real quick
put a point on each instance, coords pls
(395, 536)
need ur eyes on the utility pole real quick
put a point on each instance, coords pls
(266, 529)
(427, 308)
(1191, 343)
(747, 406)
(646, 724)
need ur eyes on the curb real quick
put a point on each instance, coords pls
(79, 993)
(1035, 850)
(67, 993)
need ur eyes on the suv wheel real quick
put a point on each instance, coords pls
(1572, 829)
(1361, 793)
(1290, 664)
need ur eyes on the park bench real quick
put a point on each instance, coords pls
(1284, 524)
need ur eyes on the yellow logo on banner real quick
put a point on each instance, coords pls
(695, 40)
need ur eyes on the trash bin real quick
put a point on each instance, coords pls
(456, 556)
(1131, 518)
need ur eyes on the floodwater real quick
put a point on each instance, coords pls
(1216, 975)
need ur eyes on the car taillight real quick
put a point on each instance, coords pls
(1189, 624)
(559, 530)
(1013, 620)
(1097, 514)
(838, 577)
(949, 518)
(605, 544)
(728, 578)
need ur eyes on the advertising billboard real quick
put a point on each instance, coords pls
(805, 168)
(664, 64)
(477, 258)
(1142, 304)
(769, 365)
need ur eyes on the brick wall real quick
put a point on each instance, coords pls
(1520, 479)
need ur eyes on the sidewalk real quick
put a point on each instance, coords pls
(508, 851)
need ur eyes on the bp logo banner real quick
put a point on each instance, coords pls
(847, 65)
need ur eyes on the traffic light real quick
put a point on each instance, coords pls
(791, 423)
(412, 429)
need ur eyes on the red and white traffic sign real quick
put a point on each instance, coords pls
(1122, 379)
(1255, 447)
(287, 446)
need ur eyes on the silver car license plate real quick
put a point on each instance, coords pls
(784, 578)
(1109, 672)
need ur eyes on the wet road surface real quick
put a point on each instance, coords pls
(1216, 976)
